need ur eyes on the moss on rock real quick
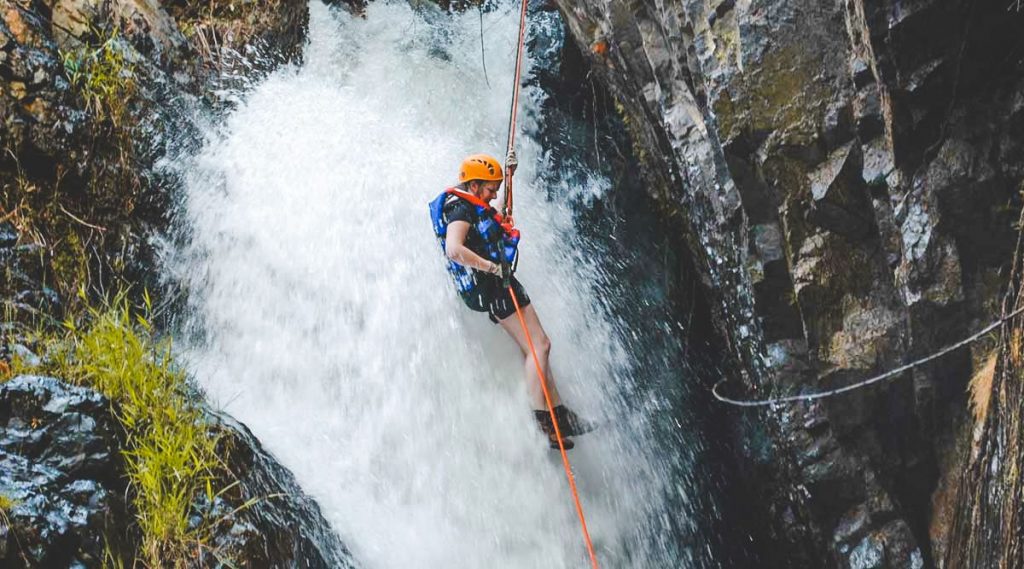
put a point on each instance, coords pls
(781, 95)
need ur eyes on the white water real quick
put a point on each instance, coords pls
(331, 329)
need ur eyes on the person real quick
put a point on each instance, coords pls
(481, 249)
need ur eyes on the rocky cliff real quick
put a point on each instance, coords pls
(842, 178)
(845, 175)
(94, 95)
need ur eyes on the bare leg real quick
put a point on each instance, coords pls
(542, 344)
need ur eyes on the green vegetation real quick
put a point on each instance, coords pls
(779, 94)
(82, 214)
(6, 503)
(102, 76)
(171, 456)
(217, 24)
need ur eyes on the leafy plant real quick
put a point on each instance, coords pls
(171, 455)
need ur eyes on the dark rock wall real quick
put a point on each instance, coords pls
(845, 174)
(93, 94)
(82, 194)
(650, 290)
(985, 512)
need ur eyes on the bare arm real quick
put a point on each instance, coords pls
(457, 251)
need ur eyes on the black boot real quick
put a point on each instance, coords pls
(570, 423)
(544, 420)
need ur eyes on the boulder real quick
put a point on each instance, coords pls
(61, 466)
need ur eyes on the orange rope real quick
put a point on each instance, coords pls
(507, 209)
(558, 432)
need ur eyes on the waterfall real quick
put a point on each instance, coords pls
(327, 322)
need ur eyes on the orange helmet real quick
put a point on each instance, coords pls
(480, 167)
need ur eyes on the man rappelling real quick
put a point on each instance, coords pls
(482, 250)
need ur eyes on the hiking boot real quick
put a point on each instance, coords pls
(544, 420)
(570, 423)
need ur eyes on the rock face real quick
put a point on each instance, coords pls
(987, 527)
(38, 122)
(22, 284)
(845, 176)
(256, 534)
(93, 95)
(61, 466)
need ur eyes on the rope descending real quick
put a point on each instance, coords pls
(506, 209)
(507, 212)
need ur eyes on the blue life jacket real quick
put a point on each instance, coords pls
(501, 241)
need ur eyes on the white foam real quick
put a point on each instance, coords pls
(333, 331)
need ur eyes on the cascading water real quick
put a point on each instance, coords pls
(329, 326)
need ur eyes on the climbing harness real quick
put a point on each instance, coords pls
(507, 213)
(501, 240)
(872, 380)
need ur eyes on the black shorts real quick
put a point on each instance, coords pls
(493, 298)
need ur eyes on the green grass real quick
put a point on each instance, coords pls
(102, 76)
(6, 504)
(171, 453)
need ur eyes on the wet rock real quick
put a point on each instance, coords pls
(852, 525)
(837, 168)
(789, 359)
(252, 535)
(930, 268)
(868, 554)
(144, 22)
(60, 464)
(819, 450)
(768, 242)
(867, 114)
(890, 548)
(36, 104)
(8, 235)
(839, 200)
(868, 330)
(25, 355)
